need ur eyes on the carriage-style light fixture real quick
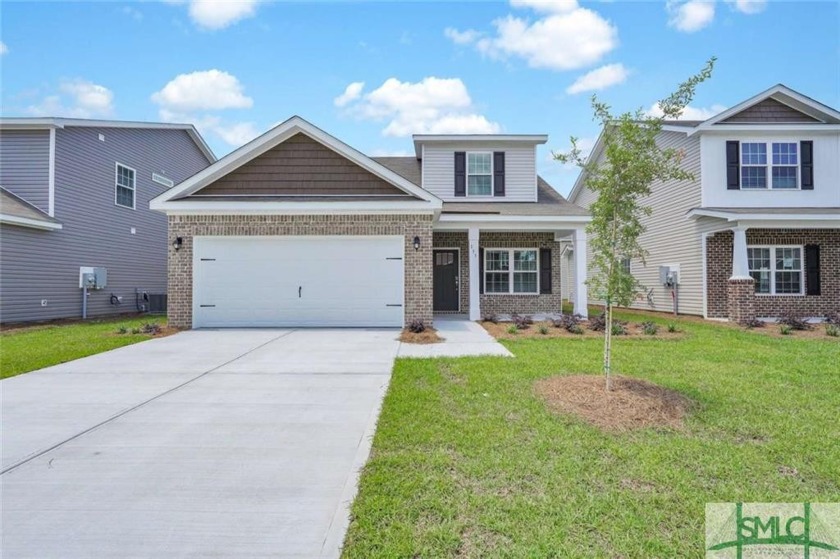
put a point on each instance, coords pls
(176, 244)
(416, 243)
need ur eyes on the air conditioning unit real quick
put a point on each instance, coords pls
(157, 303)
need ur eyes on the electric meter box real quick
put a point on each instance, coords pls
(93, 277)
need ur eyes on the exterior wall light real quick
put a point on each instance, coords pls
(177, 243)
(416, 243)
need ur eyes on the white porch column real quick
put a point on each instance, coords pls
(581, 294)
(740, 263)
(475, 274)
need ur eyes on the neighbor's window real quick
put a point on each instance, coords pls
(124, 195)
(625, 265)
(776, 270)
(479, 174)
(782, 166)
(502, 277)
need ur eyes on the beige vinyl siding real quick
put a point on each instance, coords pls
(671, 237)
(520, 171)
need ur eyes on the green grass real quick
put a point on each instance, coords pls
(28, 349)
(467, 461)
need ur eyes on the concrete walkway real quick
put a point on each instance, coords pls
(462, 338)
(235, 443)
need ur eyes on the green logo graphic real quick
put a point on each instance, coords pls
(759, 530)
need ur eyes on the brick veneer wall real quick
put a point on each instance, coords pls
(507, 304)
(719, 268)
(740, 300)
(418, 264)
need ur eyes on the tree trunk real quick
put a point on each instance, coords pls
(608, 346)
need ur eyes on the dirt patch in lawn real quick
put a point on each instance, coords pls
(427, 336)
(503, 331)
(631, 404)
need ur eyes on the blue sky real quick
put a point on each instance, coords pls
(525, 66)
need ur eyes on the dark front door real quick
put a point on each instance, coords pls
(445, 280)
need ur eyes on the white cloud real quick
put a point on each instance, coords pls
(690, 16)
(465, 37)
(691, 113)
(599, 78)
(748, 7)
(76, 98)
(560, 41)
(207, 90)
(351, 93)
(550, 6)
(218, 14)
(430, 106)
(584, 145)
(237, 134)
(3, 48)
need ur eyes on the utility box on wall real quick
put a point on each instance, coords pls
(93, 277)
(669, 275)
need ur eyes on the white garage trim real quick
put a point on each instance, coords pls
(299, 281)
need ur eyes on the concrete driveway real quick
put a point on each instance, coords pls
(233, 443)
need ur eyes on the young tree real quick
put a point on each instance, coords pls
(631, 161)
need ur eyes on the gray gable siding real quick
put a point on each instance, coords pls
(24, 165)
(39, 265)
(766, 111)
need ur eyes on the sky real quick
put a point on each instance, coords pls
(373, 73)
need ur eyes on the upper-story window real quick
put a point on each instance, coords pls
(782, 167)
(125, 186)
(479, 174)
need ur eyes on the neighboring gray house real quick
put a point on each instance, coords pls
(75, 193)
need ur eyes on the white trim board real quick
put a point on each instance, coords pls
(29, 222)
(51, 176)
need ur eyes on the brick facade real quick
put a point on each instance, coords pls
(740, 300)
(499, 303)
(719, 269)
(418, 264)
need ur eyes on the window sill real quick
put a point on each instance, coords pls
(516, 294)
(780, 295)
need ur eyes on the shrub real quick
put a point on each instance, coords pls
(416, 326)
(491, 317)
(672, 327)
(795, 321)
(150, 328)
(122, 330)
(785, 329)
(649, 328)
(543, 329)
(833, 317)
(567, 321)
(832, 330)
(512, 329)
(135, 330)
(522, 322)
(598, 323)
(575, 329)
(618, 328)
(753, 323)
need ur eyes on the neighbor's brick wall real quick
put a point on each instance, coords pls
(418, 264)
(719, 268)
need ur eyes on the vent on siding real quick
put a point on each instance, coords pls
(160, 179)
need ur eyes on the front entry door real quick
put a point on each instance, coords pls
(445, 280)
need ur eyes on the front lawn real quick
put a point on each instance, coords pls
(468, 461)
(30, 348)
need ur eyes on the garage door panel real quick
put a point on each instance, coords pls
(298, 281)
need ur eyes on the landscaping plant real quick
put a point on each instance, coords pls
(512, 329)
(631, 162)
(785, 329)
(543, 329)
(491, 317)
(832, 330)
(416, 326)
(649, 328)
(567, 321)
(795, 321)
(672, 327)
(522, 322)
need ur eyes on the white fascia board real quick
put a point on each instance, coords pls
(51, 176)
(29, 222)
(495, 218)
(765, 217)
(278, 135)
(511, 223)
(728, 129)
(281, 208)
(422, 139)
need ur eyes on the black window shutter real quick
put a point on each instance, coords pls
(733, 165)
(806, 149)
(545, 270)
(498, 173)
(460, 173)
(812, 269)
(481, 270)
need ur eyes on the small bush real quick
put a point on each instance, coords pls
(512, 329)
(618, 328)
(543, 329)
(598, 323)
(135, 330)
(522, 322)
(785, 329)
(122, 330)
(833, 317)
(567, 321)
(795, 321)
(672, 327)
(832, 330)
(575, 329)
(150, 328)
(491, 317)
(416, 326)
(649, 328)
(753, 323)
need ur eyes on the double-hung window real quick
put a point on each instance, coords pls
(480, 174)
(776, 270)
(782, 165)
(511, 271)
(125, 186)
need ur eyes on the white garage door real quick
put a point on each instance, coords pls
(297, 281)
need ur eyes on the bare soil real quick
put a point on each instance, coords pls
(631, 404)
(427, 336)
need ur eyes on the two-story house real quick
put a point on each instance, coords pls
(74, 195)
(296, 228)
(757, 233)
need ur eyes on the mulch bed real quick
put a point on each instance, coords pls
(817, 331)
(500, 332)
(631, 404)
(427, 336)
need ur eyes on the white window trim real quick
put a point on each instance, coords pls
(117, 166)
(467, 165)
(510, 270)
(773, 271)
(768, 185)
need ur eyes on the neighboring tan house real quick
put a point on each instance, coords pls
(75, 194)
(297, 228)
(757, 233)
